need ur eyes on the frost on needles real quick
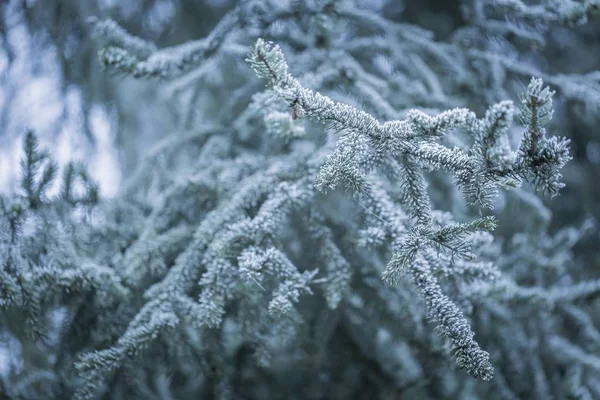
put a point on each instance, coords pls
(233, 263)
(403, 150)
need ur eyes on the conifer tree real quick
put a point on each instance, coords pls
(347, 207)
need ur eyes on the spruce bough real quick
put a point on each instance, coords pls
(327, 237)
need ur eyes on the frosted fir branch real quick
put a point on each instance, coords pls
(14, 211)
(571, 86)
(166, 64)
(156, 317)
(211, 254)
(409, 91)
(414, 37)
(165, 147)
(567, 352)
(415, 257)
(183, 275)
(109, 32)
(221, 278)
(372, 237)
(220, 238)
(435, 156)
(546, 297)
(583, 89)
(427, 126)
(567, 12)
(347, 165)
(283, 127)
(508, 28)
(526, 21)
(40, 265)
(382, 214)
(584, 322)
(343, 68)
(269, 63)
(147, 259)
(450, 322)
(413, 187)
(202, 186)
(289, 290)
(338, 270)
(539, 158)
(489, 165)
(543, 156)
(133, 56)
(11, 291)
(559, 295)
(77, 172)
(232, 231)
(491, 143)
(455, 234)
(452, 239)
(85, 278)
(38, 171)
(403, 257)
(34, 286)
(463, 271)
(285, 197)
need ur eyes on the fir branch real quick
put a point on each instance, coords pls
(130, 55)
